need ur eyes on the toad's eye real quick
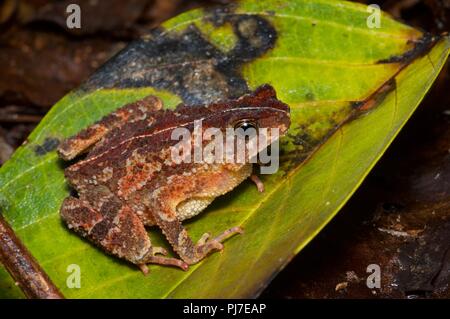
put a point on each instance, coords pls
(245, 125)
(246, 128)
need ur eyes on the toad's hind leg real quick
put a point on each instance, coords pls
(84, 140)
(210, 183)
(180, 240)
(117, 230)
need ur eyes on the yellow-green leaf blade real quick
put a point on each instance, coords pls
(324, 59)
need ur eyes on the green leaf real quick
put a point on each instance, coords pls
(350, 88)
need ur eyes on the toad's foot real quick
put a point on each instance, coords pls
(180, 240)
(206, 245)
(259, 184)
(151, 258)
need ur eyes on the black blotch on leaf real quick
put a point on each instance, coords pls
(303, 139)
(375, 98)
(356, 104)
(421, 47)
(310, 96)
(50, 144)
(186, 63)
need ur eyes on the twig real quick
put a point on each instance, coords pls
(19, 118)
(20, 114)
(23, 267)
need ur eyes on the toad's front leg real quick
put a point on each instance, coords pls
(116, 229)
(166, 218)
